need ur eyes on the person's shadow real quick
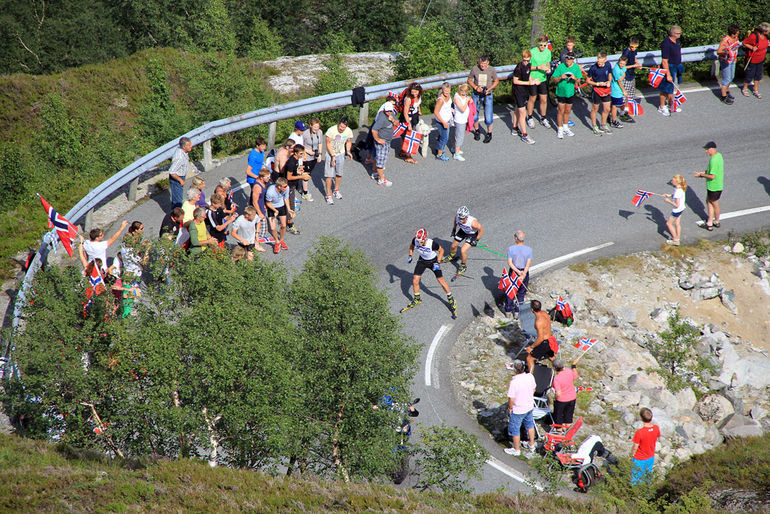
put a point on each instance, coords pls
(693, 202)
(405, 276)
(654, 214)
(765, 182)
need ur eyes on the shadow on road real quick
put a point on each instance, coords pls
(654, 214)
(766, 183)
(693, 202)
(625, 214)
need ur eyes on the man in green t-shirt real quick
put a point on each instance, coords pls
(541, 65)
(565, 76)
(715, 181)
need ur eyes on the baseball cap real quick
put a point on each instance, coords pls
(300, 125)
(710, 144)
(569, 55)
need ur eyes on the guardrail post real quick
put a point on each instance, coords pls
(271, 135)
(363, 115)
(132, 187)
(208, 162)
(88, 222)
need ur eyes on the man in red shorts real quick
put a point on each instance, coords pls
(545, 344)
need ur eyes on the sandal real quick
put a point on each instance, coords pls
(745, 92)
(716, 224)
(756, 93)
(410, 160)
(709, 228)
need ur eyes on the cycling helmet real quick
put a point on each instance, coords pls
(421, 234)
(463, 212)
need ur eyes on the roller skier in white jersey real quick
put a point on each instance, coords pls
(429, 255)
(466, 232)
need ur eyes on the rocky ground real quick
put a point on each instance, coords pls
(625, 303)
(297, 73)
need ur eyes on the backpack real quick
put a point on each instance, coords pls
(556, 315)
(586, 477)
(399, 103)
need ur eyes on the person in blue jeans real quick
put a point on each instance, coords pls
(671, 64)
(178, 171)
(443, 115)
(483, 80)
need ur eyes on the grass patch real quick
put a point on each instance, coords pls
(580, 267)
(629, 262)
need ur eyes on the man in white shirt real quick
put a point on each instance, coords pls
(96, 247)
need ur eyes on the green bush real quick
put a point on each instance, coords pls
(426, 51)
(335, 78)
(675, 351)
(13, 179)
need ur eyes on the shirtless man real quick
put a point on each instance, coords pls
(542, 345)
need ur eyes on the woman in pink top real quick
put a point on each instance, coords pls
(566, 394)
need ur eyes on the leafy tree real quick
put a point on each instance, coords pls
(199, 370)
(263, 43)
(499, 29)
(426, 50)
(335, 78)
(450, 456)
(61, 137)
(212, 30)
(13, 180)
(675, 349)
(351, 352)
(159, 120)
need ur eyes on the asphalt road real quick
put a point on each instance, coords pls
(566, 195)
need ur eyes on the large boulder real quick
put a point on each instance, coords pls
(737, 425)
(661, 418)
(714, 408)
(686, 398)
(645, 381)
(753, 370)
(496, 421)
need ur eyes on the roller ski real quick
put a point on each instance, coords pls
(460, 271)
(452, 305)
(449, 258)
(414, 303)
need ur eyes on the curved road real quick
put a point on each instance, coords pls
(566, 195)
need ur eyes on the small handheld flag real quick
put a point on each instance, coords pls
(563, 307)
(581, 389)
(266, 239)
(679, 98)
(635, 108)
(96, 281)
(640, 197)
(411, 142)
(64, 229)
(511, 287)
(400, 130)
(656, 77)
(584, 344)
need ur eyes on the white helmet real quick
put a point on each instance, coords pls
(463, 212)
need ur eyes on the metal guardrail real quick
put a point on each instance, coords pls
(270, 115)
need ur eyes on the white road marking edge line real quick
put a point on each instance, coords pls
(432, 351)
(735, 214)
(507, 470)
(557, 260)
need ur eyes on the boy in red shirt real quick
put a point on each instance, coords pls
(644, 448)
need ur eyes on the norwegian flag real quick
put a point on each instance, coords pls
(585, 344)
(411, 142)
(563, 307)
(64, 229)
(511, 287)
(96, 281)
(230, 196)
(581, 389)
(267, 239)
(549, 46)
(679, 98)
(640, 197)
(400, 130)
(635, 108)
(656, 76)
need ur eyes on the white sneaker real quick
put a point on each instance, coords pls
(511, 451)
(460, 152)
(525, 445)
(544, 122)
(329, 200)
(459, 157)
(530, 122)
(307, 197)
(568, 133)
(678, 109)
(386, 183)
(337, 194)
(560, 133)
(664, 111)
